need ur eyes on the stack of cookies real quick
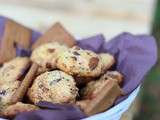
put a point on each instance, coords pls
(58, 71)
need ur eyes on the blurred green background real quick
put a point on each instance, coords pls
(150, 94)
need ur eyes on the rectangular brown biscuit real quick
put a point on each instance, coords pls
(27, 81)
(103, 100)
(14, 34)
(57, 33)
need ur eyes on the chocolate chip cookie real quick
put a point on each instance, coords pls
(45, 55)
(6, 92)
(54, 86)
(79, 62)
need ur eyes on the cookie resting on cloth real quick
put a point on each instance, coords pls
(55, 87)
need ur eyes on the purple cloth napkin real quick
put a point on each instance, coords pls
(135, 55)
(2, 25)
(53, 112)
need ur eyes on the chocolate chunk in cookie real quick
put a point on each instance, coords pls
(93, 62)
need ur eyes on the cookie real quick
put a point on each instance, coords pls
(57, 33)
(79, 62)
(12, 110)
(45, 55)
(107, 60)
(6, 92)
(54, 86)
(93, 87)
(14, 69)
